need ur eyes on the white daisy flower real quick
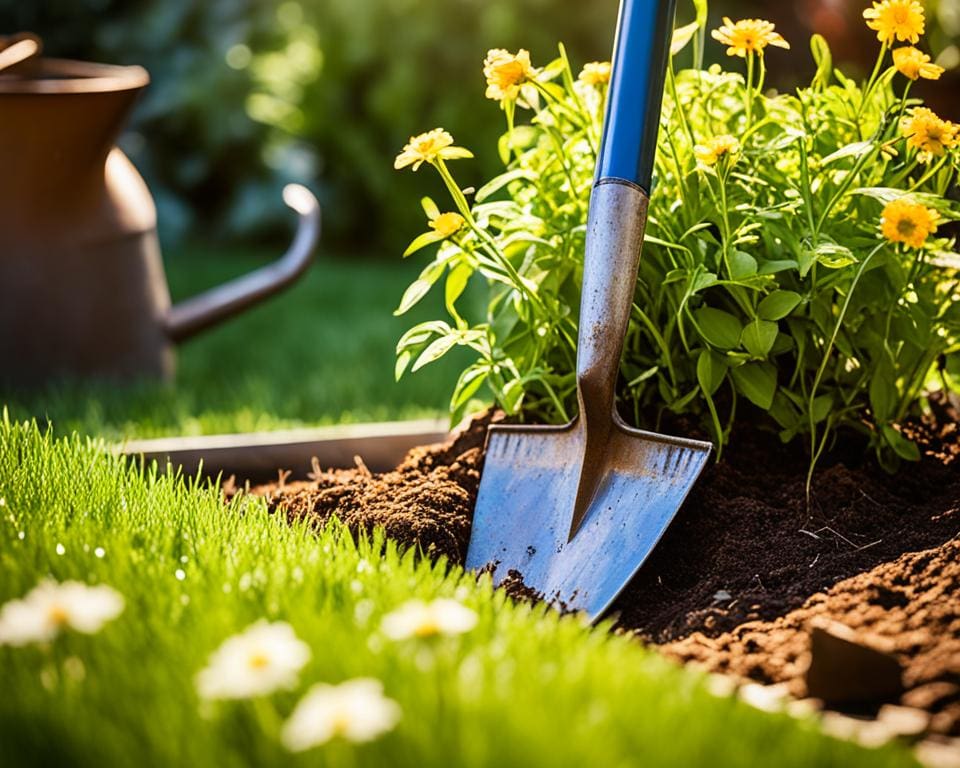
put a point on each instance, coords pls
(263, 658)
(421, 620)
(355, 710)
(51, 607)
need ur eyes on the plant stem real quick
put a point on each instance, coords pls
(870, 84)
(814, 449)
(464, 208)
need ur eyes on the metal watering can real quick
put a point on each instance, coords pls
(82, 286)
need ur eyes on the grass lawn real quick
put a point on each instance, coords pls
(320, 353)
(520, 688)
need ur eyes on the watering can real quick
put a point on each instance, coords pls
(82, 286)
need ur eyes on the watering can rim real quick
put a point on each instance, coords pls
(48, 76)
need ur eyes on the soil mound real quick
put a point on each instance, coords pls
(426, 502)
(747, 564)
(909, 607)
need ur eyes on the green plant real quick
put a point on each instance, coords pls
(193, 571)
(794, 272)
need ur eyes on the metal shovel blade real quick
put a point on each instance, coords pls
(576, 510)
(522, 518)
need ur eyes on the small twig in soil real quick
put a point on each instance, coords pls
(839, 535)
(811, 534)
(814, 561)
(362, 467)
(869, 498)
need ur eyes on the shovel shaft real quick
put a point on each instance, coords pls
(618, 213)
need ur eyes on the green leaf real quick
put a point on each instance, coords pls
(456, 283)
(499, 182)
(855, 149)
(778, 305)
(834, 256)
(757, 382)
(682, 36)
(742, 265)
(822, 406)
(718, 328)
(888, 194)
(512, 395)
(777, 265)
(415, 291)
(429, 207)
(758, 337)
(435, 350)
(467, 385)
(403, 360)
(784, 412)
(883, 390)
(421, 332)
(710, 371)
(520, 138)
(904, 448)
(422, 241)
(823, 58)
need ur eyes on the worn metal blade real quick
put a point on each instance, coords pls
(525, 505)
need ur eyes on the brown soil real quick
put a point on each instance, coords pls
(909, 607)
(426, 502)
(746, 563)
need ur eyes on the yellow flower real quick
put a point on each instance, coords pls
(748, 36)
(915, 64)
(895, 20)
(447, 224)
(716, 147)
(506, 72)
(928, 133)
(595, 73)
(908, 223)
(428, 148)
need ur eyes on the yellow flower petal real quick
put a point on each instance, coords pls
(427, 148)
(896, 20)
(914, 63)
(506, 72)
(747, 36)
(447, 224)
(907, 223)
(595, 73)
(930, 135)
(716, 147)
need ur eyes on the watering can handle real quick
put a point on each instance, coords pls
(615, 225)
(199, 312)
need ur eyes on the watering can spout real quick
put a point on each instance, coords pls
(197, 313)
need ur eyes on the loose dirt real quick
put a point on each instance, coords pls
(747, 563)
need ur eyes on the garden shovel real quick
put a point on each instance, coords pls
(575, 510)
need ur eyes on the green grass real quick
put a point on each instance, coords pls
(321, 353)
(522, 688)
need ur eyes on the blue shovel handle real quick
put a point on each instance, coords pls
(636, 91)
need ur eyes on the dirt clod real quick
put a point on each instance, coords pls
(426, 502)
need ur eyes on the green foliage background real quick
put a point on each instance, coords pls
(326, 91)
(336, 87)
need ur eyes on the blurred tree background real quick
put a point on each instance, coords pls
(247, 95)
